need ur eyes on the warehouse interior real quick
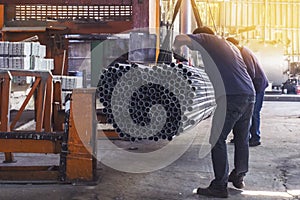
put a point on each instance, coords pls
(73, 72)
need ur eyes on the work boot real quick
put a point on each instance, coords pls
(211, 191)
(254, 143)
(236, 179)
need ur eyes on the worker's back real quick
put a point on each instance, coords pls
(228, 61)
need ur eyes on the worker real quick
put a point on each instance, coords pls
(260, 83)
(234, 106)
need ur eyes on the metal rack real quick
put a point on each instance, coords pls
(74, 142)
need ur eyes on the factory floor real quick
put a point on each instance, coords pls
(274, 170)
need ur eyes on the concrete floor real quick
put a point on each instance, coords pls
(274, 166)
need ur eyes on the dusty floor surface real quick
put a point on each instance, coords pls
(274, 171)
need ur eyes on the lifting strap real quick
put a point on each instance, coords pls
(196, 13)
(165, 53)
(176, 10)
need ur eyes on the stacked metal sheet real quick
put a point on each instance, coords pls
(157, 102)
(19, 49)
(4, 50)
(3, 62)
(24, 55)
(68, 83)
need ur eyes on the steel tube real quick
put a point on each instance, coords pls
(154, 103)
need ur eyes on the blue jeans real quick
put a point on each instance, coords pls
(255, 126)
(233, 112)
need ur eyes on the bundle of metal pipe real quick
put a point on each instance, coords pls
(157, 102)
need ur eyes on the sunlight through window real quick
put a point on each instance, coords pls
(267, 193)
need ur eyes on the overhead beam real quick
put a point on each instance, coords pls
(69, 2)
(28, 29)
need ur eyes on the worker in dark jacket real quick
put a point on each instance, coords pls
(235, 97)
(260, 82)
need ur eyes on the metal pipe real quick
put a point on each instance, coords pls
(144, 102)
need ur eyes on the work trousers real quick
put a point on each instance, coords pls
(255, 125)
(233, 112)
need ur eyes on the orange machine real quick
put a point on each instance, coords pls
(57, 130)
(75, 144)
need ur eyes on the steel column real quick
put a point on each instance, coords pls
(4, 102)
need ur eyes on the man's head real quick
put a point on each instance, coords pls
(233, 40)
(203, 29)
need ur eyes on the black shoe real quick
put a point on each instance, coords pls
(213, 192)
(254, 143)
(237, 180)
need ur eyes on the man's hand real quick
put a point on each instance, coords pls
(181, 40)
(177, 54)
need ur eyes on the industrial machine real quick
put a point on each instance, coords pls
(67, 129)
(75, 142)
